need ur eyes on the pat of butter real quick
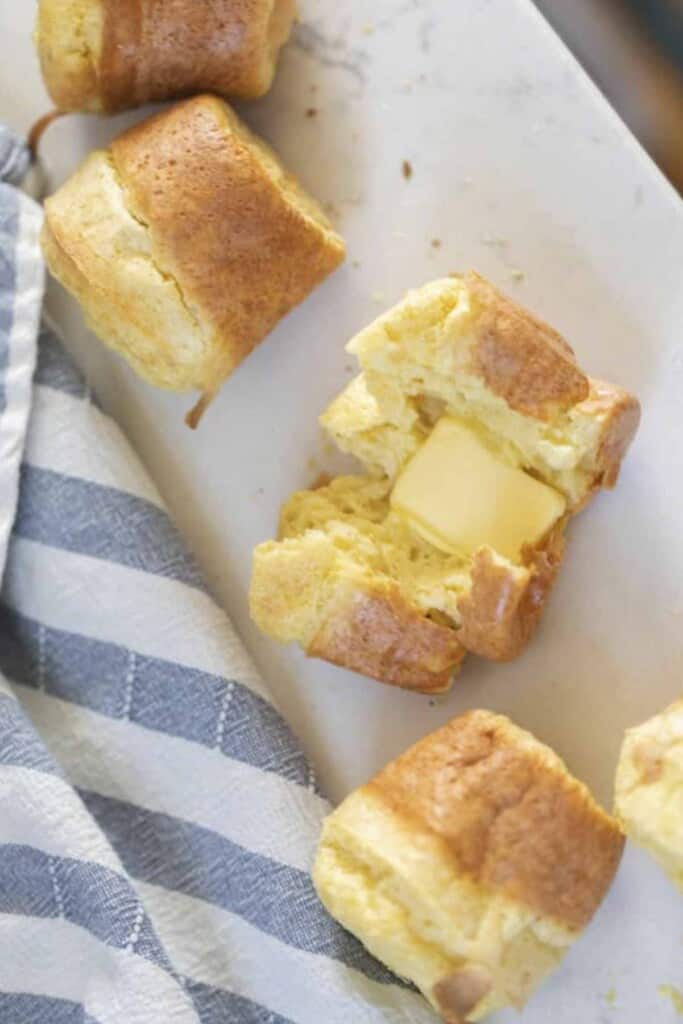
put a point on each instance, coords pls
(460, 497)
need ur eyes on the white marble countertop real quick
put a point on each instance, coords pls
(521, 170)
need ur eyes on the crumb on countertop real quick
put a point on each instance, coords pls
(368, 28)
(436, 243)
(379, 297)
(321, 480)
(611, 996)
(494, 242)
(355, 263)
(407, 169)
(312, 112)
(674, 995)
(517, 275)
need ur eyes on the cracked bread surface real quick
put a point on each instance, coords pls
(469, 864)
(186, 242)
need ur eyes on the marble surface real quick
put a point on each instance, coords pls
(521, 170)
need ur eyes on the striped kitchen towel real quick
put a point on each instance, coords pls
(157, 817)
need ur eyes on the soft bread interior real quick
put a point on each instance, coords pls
(393, 884)
(548, 445)
(68, 36)
(347, 530)
(416, 367)
(649, 788)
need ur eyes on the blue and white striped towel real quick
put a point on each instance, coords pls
(157, 818)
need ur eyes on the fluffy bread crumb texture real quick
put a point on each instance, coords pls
(349, 578)
(186, 242)
(110, 55)
(649, 789)
(469, 864)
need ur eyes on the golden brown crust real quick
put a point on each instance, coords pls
(242, 255)
(154, 50)
(122, 68)
(502, 608)
(621, 412)
(509, 814)
(459, 993)
(376, 632)
(520, 357)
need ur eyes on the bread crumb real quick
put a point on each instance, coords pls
(674, 995)
(494, 242)
(312, 112)
(407, 169)
(611, 996)
(436, 243)
(368, 29)
(355, 263)
(517, 275)
(379, 297)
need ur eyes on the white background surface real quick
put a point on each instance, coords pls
(519, 165)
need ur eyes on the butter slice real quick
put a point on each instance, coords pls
(460, 497)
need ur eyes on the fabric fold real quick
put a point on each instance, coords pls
(157, 817)
(21, 293)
